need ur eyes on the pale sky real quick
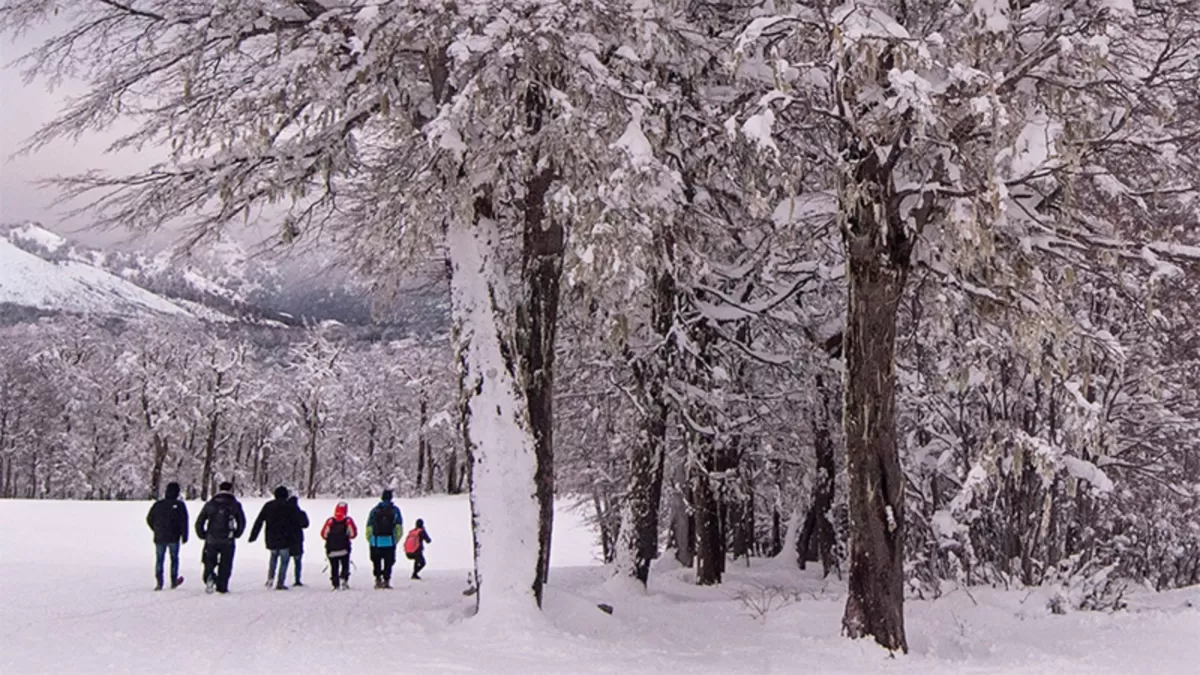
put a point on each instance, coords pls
(23, 109)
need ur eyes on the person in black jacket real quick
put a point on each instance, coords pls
(299, 524)
(222, 521)
(279, 516)
(168, 519)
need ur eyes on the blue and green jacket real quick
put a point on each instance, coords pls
(384, 539)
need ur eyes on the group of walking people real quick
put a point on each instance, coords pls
(222, 521)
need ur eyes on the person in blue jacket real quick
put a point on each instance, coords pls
(385, 525)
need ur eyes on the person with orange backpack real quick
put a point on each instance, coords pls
(337, 533)
(414, 547)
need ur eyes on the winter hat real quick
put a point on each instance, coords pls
(420, 523)
(387, 495)
(172, 490)
(339, 511)
(281, 492)
(225, 487)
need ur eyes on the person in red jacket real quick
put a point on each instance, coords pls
(414, 547)
(337, 533)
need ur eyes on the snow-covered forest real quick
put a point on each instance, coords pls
(905, 289)
(110, 410)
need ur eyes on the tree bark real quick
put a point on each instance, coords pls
(210, 440)
(501, 449)
(638, 545)
(313, 422)
(709, 541)
(420, 464)
(683, 530)
(537, 321)
(817, 539)
(875, 605)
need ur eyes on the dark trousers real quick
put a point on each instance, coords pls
(160, 552)
(382, 560)
(418, 559)
(218, 561)
(297, 556)
(339, 569)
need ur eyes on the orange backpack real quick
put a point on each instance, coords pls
(413, 541)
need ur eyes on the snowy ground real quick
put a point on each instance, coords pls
(75, 597)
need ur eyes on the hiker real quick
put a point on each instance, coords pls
(220, 524)
(278, 516)
(384, 527)
(299, 524)
(414, 547)
(168, 519)
(337, 533)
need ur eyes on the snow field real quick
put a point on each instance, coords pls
(76, 580)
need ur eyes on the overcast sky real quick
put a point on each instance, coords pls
(23, 109)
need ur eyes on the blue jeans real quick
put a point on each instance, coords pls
(160, 551)
(282, 556)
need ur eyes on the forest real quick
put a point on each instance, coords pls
(907, 288)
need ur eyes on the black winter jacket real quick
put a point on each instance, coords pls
(208, 526)
(280, 517)
(299, 523)
(168, 518)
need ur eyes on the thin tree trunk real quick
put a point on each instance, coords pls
(638, 543)
(420, 463)
(682, 519)
(161, 447)
(710, 549)
(817, 539)
(210, 451)
(453, 486)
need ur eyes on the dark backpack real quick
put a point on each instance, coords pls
(338, 536)
(384, 522)
(224, 522)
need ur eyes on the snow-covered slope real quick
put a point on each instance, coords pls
(73, 287)
(41, 270)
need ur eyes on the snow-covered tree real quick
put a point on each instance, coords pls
(990, 142)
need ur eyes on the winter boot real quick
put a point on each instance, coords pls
(176, 583)
(345, 584)
(210, 585)
(158, 586)
(280, 587)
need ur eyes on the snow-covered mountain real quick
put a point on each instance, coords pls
(44, 273)
(41, 271)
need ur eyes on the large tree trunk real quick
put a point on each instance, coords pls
(501, 450)
(877, 265)
(537, 322)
